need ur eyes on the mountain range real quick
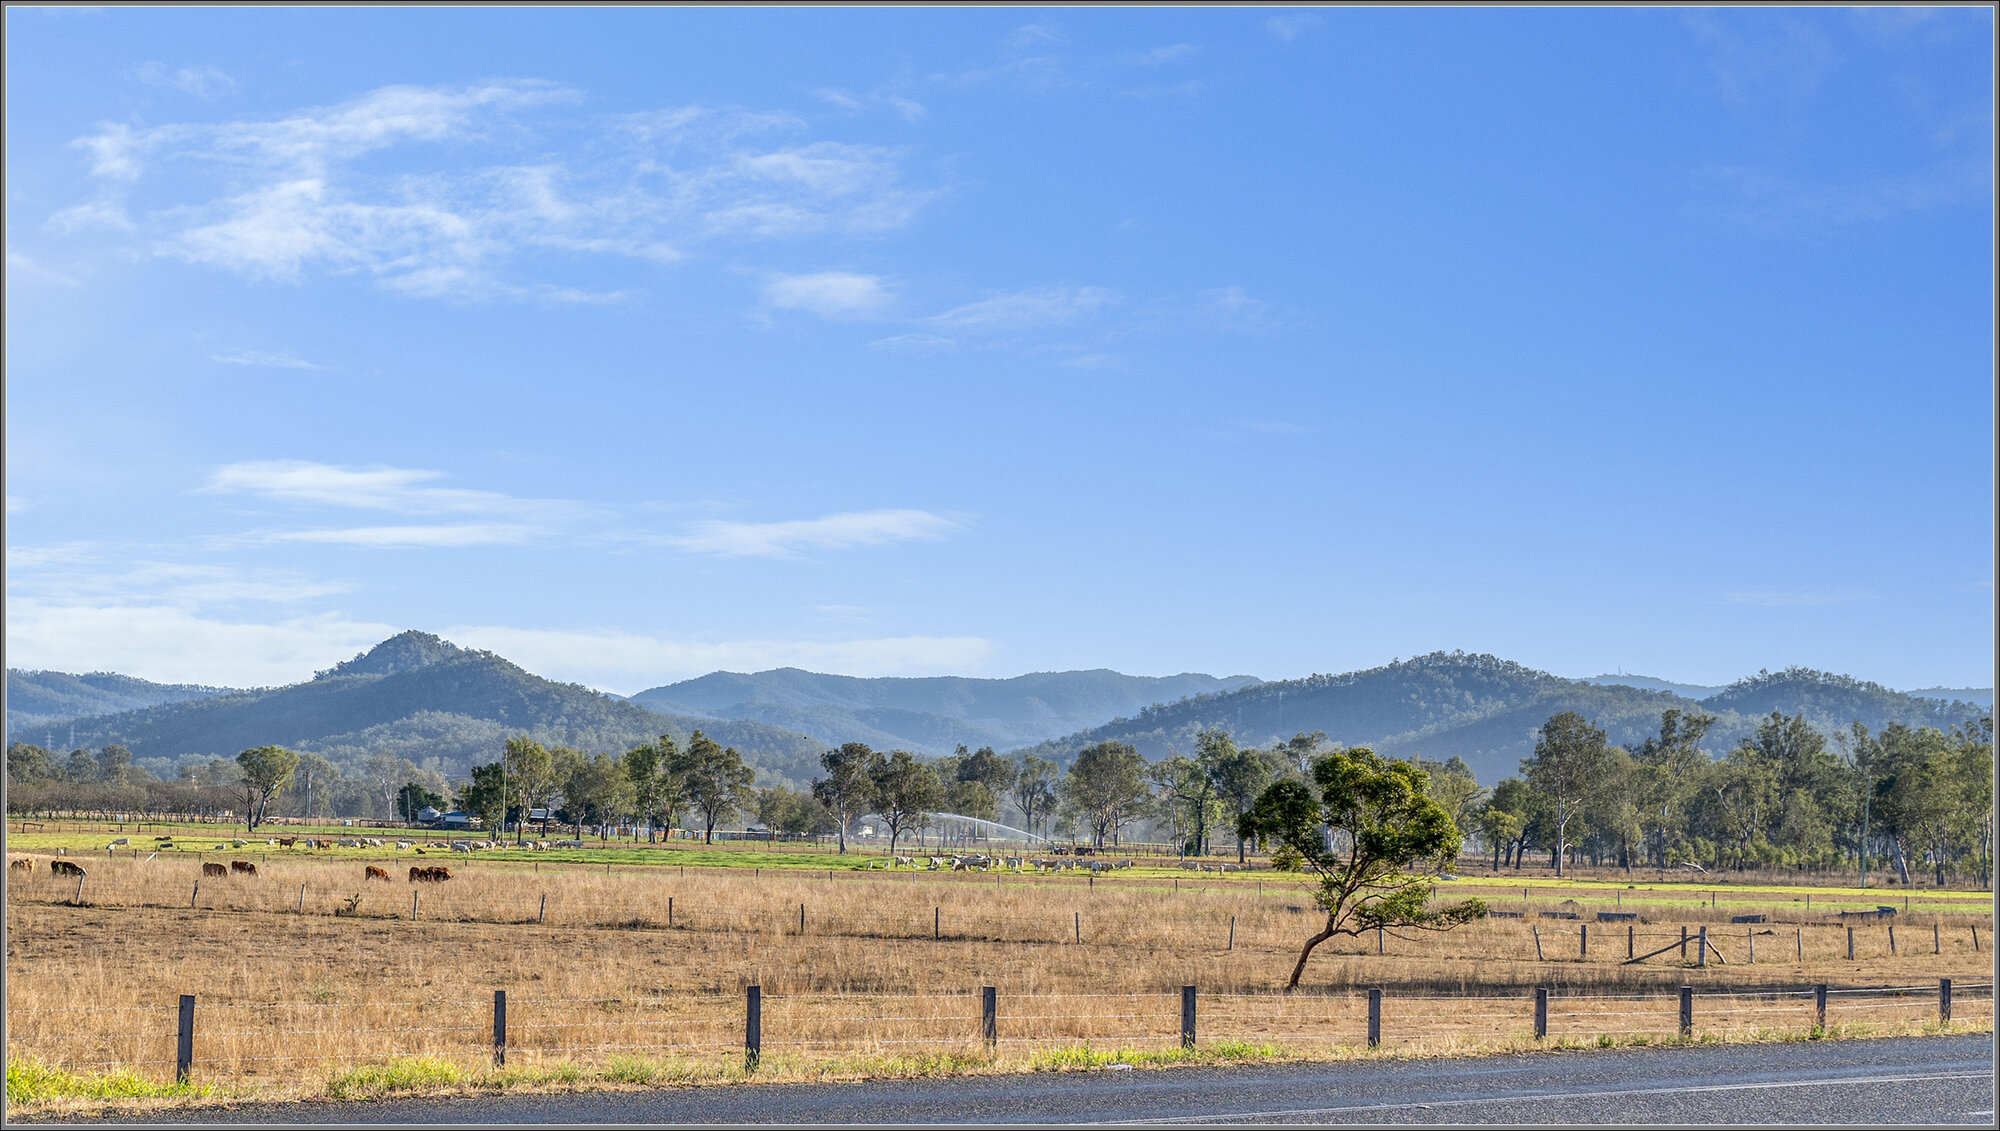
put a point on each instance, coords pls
(930, 715)
(425, 698)
(1486, 710)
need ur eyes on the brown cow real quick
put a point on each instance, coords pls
(243, 866)
(65, 868)
(211, 868)
(22, 865)
(374, 873)
(429, 875)
(287, 841)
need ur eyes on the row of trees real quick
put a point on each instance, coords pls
(1784, 797)
(1788, 796)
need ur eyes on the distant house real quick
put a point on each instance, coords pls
(538, 814)
(458, 820)
(428, 815)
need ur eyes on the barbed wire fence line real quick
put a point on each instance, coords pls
(248, 1042)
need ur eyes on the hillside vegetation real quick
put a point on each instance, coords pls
(41, 698)
(929, 715)
(424, 698)
(1485, 710)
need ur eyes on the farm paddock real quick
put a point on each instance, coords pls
(309, 977)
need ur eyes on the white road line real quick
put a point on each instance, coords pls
(1246, 1116)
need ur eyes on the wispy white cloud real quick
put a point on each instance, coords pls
(432, 537)
(831, 532)
(1771, 598)
(1775, 205)
(1291, 25)
(1764, 53)
(291, 195)
(829, 294)
(262, 359)
(202, 81)
(1027, 309)
(379, 488)
(1159, 56)
(919, 344)
(106, 215)
(26, 270)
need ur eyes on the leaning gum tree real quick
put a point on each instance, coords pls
(1371, 837)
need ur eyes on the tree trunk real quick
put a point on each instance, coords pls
(1300, 969)
(1902, 862)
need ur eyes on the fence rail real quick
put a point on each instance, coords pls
(237, 1040)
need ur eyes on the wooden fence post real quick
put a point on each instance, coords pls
(197, 895)
(937, 923)
(1378, 941)
(184, 1042)
(1701, 958)
(802, 918)
(753, 1025)
(1937, 940)
(1944, 1000)
(1374, 1017)
(1631, 933)
(989, 1016)
(1079, 927)
(413, 907)
(1541, 1012)
(1850, 944)
(1819, 1007)
(1687, 1011)
(1801, 944)
(1538, 943)
(1684, 944)
(499, 1028)
(670, 911)
(302, 899)
(1583, 941)
(543, 911)
(1232, 932)
(1187, 1017)
(1751, 934)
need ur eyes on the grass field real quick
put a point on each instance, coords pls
(635, 972)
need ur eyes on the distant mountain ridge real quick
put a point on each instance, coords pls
(422, 697)
(39, 698)
(1485, 710)
(930, 715)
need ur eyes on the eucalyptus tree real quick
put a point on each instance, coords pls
(1389, 839)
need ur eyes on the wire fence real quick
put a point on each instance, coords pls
(213, 1041)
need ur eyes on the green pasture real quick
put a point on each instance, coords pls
(1503, 891)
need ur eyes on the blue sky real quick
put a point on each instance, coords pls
(637, 343)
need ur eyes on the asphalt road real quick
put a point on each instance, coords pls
(1899, 1080)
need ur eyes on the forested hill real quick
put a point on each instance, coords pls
(930, 715)
(42, 698)
(1485, 710)
(421, 697)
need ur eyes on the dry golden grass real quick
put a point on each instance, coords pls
(295, 990)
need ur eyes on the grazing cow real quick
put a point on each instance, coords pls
(243, 866)
(65, 868)
(287, 841)
(213, 869)
(374, 873)
(22, 865)
(429, 875)
(460, 846)
(401, 844)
